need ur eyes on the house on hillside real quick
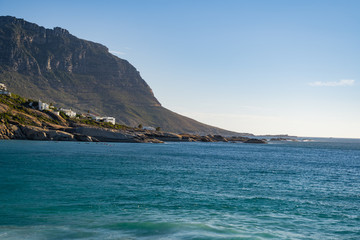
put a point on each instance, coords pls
(3, 90)
(108, 119)
(43, 106)
(149, 128)
(68, 112)
(100, 119)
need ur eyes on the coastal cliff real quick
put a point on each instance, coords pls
(58, 67)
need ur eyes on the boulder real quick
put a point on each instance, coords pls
(36, 133)
(83, 138)
(218, 138)
(254, 140)
(59, 135)
(206, 139)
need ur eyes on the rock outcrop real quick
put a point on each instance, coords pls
(254, 140)
(98, 134)
(10, 131)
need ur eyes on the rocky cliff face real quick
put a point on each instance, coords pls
(57, 67)
(66, 62)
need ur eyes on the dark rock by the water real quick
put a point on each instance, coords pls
(254, 140)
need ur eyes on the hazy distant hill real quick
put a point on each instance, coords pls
(57, 67)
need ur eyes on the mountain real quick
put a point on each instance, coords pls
(59, 68)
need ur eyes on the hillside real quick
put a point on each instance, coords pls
(20, 118)
(57, 67)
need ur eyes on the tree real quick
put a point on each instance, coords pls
(158, 129)
(140, 126)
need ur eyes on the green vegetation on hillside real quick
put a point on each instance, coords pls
(16, 109)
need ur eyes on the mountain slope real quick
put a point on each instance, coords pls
(57, 67)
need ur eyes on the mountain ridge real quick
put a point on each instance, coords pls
(57, 67)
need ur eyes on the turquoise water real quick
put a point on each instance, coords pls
(287, 190)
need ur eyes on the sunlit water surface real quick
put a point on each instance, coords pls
(285, 190)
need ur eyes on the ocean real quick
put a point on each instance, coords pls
(282, 190)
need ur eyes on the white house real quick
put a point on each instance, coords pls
(3, 90)
(68, 112)
(149, 128)
(108, 119)
(43, 106)
(101, 119)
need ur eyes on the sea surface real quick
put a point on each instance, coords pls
(283, 190)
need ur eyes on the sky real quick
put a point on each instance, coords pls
(255, 66)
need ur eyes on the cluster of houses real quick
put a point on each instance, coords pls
(71, 114)
(43, 106)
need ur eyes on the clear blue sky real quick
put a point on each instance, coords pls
(265, 67)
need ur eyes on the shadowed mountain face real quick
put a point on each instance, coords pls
(57, 67)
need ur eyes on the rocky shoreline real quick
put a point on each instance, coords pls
(85, 133)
